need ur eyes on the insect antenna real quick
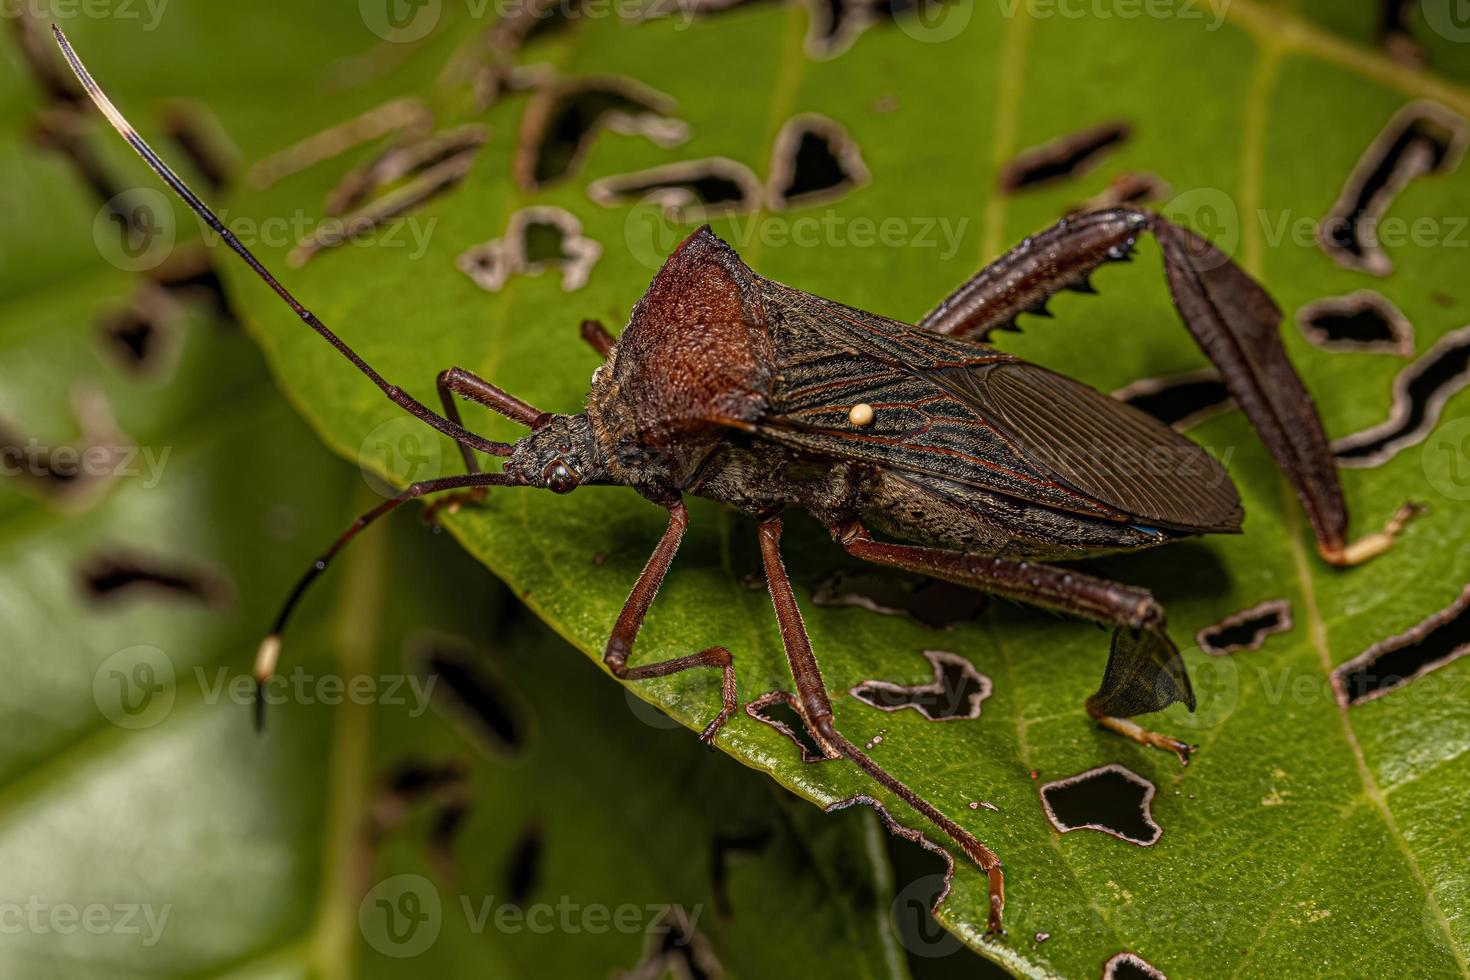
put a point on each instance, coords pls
(400, 397)
(269, 652)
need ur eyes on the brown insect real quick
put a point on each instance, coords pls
(730, 386)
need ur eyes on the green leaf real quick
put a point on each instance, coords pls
(150, 832)
(1305, 838)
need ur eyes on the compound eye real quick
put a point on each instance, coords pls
(560, 478)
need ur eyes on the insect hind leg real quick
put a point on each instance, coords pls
(1229, 314)
(1144, 673)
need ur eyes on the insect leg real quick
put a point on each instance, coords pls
(1236, 325)
(816, 709)
(1022, 280)
(630, 620)
(1231, 318)
(596, 334)
(1144, 673)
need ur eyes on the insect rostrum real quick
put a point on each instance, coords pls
(728, 385)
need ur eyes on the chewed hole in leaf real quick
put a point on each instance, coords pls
(1396, 32)
(522, 873)
(906, 833)
(1247, 629)
(562, 121)
(1179, 400)
(413, 782)
(537, 238)
(814, 160)
(471, 695)
(1112, 799)
(137, 336)
(67, 472)
(1130, 966)
(687, 192)
(410, 782)
(958, 690)
(675, 948)
(722, 848)
(201, 137)
(1421, 139)
(60, 131)
(1364, 321)
(1419, 396)
(1128, 189)
(333, 232)
(778, 710)
(934, 603)
(189, 276)
(402, 161)
(116, 575)
(1390, 664)
(37, 50)
(1067, 156)
(415, 778)
(408, 118)
(833, 25)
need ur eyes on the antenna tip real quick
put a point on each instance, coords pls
(266, 657)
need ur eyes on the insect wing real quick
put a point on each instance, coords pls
(964, 412)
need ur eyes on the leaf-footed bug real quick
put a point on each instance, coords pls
(730, 386)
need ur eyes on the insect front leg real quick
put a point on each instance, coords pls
(1231, 318)
(1144, 673)
(816, 710)
(630, 621)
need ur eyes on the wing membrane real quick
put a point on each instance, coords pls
(964, 412)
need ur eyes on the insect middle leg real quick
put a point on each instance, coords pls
(816, 710)
(630, 621)
(1144, 673)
